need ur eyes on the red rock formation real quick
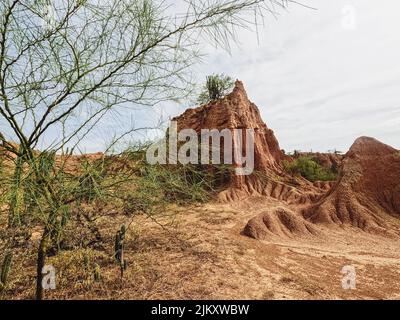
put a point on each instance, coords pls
(235, 111)
(366, 194)
(367, 191)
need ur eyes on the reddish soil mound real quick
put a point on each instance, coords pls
(74, 163)
(291, 190)
(235, 111)
(367, 190)
(280, 222)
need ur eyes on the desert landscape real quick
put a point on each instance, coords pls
(199, 150)
(271, 235)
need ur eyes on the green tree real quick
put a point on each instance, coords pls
(216, 87)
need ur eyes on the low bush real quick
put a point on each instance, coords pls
(150, 187)
(309, 169)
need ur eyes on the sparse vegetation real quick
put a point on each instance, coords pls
(110, 225)
(177, 184)
(216, 86)
(87, 190)
(309, 169)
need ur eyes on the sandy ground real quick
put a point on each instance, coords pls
(203, 255)
(213, 260)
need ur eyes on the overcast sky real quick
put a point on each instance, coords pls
(321, 78)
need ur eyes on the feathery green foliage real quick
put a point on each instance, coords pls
(154, 186)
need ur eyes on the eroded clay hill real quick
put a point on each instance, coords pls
(236, 111)
(366, 194)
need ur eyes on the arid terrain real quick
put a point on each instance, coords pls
(270, 235)
(204, 255)
(218, 262)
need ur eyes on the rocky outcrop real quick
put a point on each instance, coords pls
(296, 191)
(367, 191)
(236, 111)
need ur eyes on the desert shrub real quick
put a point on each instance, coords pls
(148, 189)
(216, 86)
(309, 169)
(87, 191)
(153, 186)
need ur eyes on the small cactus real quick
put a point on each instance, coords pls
(86, 261)
(119, 249)
(5, 269)
(96, 272)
